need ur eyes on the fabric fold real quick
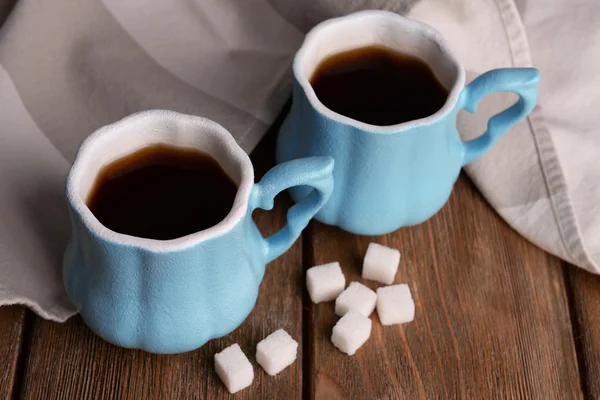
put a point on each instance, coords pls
(66, 69)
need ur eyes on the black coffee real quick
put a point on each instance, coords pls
(162, 192)
(378, 86)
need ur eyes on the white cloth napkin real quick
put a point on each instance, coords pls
(543, 177)
(68, 68)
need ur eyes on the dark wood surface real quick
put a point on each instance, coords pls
(12, 324)
(496, 318)
(492, 317)
(585, 309)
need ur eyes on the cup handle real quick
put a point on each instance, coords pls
(521, 81)
(316, 172)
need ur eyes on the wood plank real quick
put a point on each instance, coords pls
(67, 361)
(492, 318)
(12, 320)
(585, 292)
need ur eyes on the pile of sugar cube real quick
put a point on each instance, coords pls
(355, 303)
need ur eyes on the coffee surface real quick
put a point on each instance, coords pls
(378, 86)
(162, 192)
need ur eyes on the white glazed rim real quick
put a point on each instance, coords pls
(372, 16)
(110, 133)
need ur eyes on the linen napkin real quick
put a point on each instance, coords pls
(67, 68)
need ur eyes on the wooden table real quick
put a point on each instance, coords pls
(496, 318)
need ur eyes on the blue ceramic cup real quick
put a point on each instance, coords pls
(170, 296)
(387, 177)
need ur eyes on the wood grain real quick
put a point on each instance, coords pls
(67, 361)
(492, 318)
(585, 290)
(12, 321)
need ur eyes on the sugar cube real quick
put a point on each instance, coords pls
(351, 332)
(380, 263)
(276, 352)
(233, 368)
(325, 282)
(356, 297)
(395, 304)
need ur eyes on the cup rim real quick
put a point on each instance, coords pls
(111, 131)
(427, 30)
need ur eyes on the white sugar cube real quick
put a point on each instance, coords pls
(233, 368)
(351, 332)
(356, 297)
(380, 263)
(276, 352)
(325, 282)
(395, 305)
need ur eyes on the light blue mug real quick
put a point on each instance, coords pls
(170, 296)
(387, 177)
